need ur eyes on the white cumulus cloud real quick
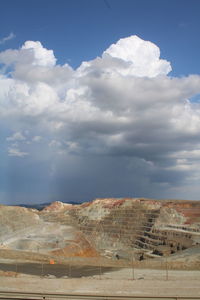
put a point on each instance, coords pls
(31, 53)
(142, 57)
(41, 56)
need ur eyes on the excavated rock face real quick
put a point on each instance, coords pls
(126, 227)
(169, 215)
(14, 218)
(143, 226)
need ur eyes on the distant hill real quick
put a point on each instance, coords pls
(40, 206)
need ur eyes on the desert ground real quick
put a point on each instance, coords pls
(146, 282)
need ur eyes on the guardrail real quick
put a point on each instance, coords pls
(46, 296)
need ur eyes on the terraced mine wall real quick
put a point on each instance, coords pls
(139, 229)
(129, 228)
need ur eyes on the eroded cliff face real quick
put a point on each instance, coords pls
(126, 227)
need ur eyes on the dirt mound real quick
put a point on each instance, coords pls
(78, 247)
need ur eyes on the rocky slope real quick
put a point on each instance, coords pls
(139, 227)
(128, 228)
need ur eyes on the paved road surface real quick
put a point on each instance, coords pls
(37, 296)
(56, 270)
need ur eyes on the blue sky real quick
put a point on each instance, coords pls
(124, 123)
(81, 30)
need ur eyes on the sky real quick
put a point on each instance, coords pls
(99, 98)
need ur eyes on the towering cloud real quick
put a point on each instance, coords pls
(122, 106)
(142, 57)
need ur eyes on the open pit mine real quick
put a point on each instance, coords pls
(109, 231)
